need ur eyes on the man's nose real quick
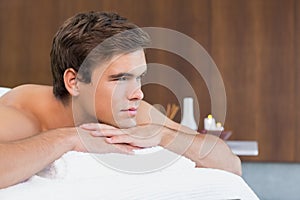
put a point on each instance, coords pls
(137, 94)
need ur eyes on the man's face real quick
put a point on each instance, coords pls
(115, 90)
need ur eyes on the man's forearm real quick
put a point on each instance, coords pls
(24, 158)
(206, 150)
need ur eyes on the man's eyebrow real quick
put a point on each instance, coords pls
(119, 75)
(114, 76)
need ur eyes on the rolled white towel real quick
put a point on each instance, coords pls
(77, 165)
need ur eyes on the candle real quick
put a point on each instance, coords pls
(219, 127)
(209, 123)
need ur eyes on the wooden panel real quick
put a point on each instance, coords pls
(192, 19)
(25, 37)
(297, 76)
(253, 45)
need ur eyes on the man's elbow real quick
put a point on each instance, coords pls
(237, 166)
(7, 180)
(4, 184)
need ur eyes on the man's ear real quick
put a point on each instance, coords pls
(71, 83)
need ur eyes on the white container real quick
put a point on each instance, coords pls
(188, 118)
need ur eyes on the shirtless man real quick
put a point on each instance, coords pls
(99, 103)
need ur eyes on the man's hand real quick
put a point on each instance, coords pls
(139, 136)
(204, 150)
(87, 142)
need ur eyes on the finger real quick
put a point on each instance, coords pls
(99, 134)
(119, 139)
(125, 148)
(96, 126)
(107, 132)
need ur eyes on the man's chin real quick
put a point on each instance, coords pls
(126, 123)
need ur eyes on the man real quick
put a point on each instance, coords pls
(95, 104)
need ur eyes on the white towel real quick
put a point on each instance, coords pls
(80, 176)
(76, 165)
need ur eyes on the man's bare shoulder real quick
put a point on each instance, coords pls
(23, 94)
(16, 124)
(17, 112)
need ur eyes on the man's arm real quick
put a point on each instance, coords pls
(25, 150)
(206, 150)
(23, 158)
(156, 129)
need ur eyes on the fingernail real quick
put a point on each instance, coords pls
(108, 140)
(84, 125)
(95, 133)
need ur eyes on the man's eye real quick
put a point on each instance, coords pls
(123, 78)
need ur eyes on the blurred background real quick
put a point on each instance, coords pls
(254, 43)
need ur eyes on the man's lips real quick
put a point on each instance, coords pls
(130, 111)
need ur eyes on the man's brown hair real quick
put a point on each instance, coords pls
(96, 35)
